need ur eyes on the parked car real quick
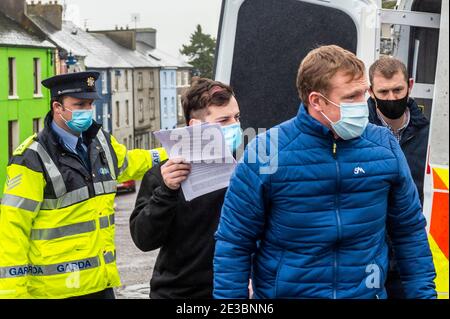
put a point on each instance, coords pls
(125, 187)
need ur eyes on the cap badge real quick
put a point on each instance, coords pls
(90, 81)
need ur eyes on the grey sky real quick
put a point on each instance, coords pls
(175, 20)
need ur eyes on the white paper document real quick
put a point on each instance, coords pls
(204, 147)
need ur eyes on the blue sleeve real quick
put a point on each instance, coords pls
(241, 224)
(406, 226)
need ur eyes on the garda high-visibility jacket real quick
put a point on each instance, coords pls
(57, 218)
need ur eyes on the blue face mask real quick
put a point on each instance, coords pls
(81, 120)
(233, 135)
(354, 119)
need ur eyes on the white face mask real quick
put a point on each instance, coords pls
(354, 119)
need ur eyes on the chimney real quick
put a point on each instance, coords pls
(15, 9)
(51, 12)
(147, 36)
(124, 37)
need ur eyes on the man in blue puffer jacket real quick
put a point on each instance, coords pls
(321, 207)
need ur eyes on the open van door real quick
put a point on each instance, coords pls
(436, 189)
(420, 39)
(262, 42)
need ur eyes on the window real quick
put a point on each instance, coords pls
(37, 76)
(172, 77)
(165, 79)
(152, 80)
(186, 78)
(36, 125)
(104, 82)
(179, 79)
(125, 142)
(166, 111)
(127, 112)
(117, 114)
(13, 137)
(140, 81)
(152, 108)
(116, 77)
(12, 77)
(173, 107)
(141, 110)
(126, 79)
(130, 140)
(105, 119)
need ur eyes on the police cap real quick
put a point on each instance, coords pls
(79, 85)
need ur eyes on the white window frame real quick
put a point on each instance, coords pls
(152, 79)
(140, 81)
(141, 110)
(37, 71)
(104, 82)
(127, 112)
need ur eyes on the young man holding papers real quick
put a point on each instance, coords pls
(184, 230)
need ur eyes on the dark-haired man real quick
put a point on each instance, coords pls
(162, 218)
(390, 106)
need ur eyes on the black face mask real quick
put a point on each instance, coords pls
(392, 109)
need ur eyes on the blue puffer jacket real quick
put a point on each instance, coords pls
(316, 226)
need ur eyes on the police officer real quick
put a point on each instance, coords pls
(57, 217)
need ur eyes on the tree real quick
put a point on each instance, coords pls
(389, 4)
(201, 52)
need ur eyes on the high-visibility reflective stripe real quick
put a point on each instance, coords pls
(106, 221)
(155, 157)
(105, 187)
(67, 199)
(102, 139)
(52, 170)
(14, 271)
(124, 165)
(69, 230)
(98, 188)
(67, 267)
(110, 186)
(109, 257)
(20, 202)
(47, 270)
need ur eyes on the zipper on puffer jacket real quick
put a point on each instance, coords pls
(338, 220)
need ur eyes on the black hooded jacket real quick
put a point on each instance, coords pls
(184, 233)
